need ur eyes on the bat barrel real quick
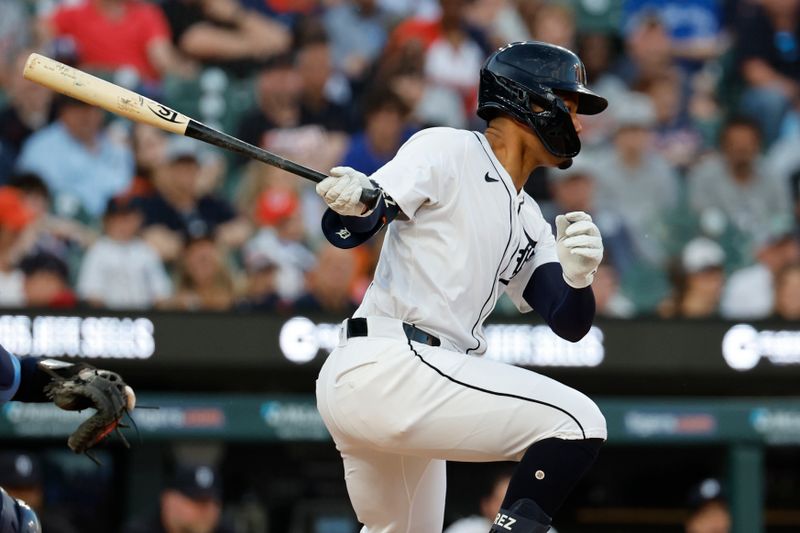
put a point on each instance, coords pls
(101, 93)
(120, 101)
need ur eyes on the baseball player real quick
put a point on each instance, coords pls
(71, 387)
(403, 391)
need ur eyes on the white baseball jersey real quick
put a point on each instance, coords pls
(444, 269)
(398, 409)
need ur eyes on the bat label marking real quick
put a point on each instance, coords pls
(165, 113)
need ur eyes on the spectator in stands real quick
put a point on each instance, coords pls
(149, 149)
(499, 20)
(278, 87)
(452, 52)
(15, 34)
(768, 54)
(598, 52)
(648, 53)
(331, 283)
(783, 157)
(48, 232)
(180, 209)
(27, 109)
(698, 281)
(635, 182)
(750, 291)
(608, 296)
(676, 139)
(204, 281)
(47, 282)
(357, 30)
(225, 33)
(261, 289)
(280, 238)
(402, 68)
(794, 186)
(322, 101)
(386, 129)
(693, 26)
(787, 292)
(117, 34)
(191, 502)
(554, 23)
(490, 502)
(120, 270)
(15, 218)
(573, 189)
(295, 116)
(708, 509)
(421, 31)
(77, 159)
(736, 183)
(290, 7)
(453, 60)
(22, 477)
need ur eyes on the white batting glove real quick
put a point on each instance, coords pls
(342, 191)
(579, 247)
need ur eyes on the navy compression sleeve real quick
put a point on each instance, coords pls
(384, 212)
(568, 311)
(32, 381)
(350, 231)
(9, 375)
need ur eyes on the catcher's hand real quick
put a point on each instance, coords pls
(76, 387)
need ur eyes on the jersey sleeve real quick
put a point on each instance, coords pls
(424, 170)
(544, 252)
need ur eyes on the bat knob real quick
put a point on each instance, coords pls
(369, 197)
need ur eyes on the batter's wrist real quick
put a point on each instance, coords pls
(587, 280)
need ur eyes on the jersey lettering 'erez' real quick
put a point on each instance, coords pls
(469, 238)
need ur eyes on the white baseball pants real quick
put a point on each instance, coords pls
(397, 410)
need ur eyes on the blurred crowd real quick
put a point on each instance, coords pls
(692, 174)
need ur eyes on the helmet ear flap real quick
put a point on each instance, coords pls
(552, 124)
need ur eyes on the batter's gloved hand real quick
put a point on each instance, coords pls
(579, 247)
(342, 191)
(79, 386)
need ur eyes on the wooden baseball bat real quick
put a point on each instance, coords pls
(120, 101)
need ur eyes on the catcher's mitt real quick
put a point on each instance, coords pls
(76, 387)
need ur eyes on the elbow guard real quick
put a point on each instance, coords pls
(348, 232)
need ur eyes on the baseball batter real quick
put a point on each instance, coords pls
(404, 391)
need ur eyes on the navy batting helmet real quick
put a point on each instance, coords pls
(16, 516)
(522, 74)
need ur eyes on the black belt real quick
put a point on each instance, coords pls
(357, 327)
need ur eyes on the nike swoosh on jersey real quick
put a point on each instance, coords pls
(488, 179)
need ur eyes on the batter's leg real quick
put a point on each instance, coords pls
(395, 493)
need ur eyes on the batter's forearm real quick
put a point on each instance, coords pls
(21, 379)
(568, 311)
(32, 381)
(573, 316)
(9, 375)
(358, 229)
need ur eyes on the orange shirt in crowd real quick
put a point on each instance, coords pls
(111, 43)
(291, 6)
(421, 30)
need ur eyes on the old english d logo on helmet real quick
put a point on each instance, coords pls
(522, 74)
